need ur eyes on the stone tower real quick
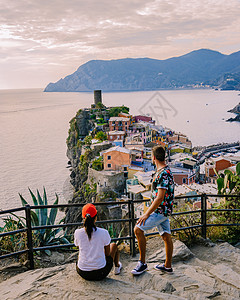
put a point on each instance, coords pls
(97, 96)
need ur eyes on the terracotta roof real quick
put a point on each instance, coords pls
(117, 148)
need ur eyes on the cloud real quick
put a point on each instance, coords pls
(58, 35)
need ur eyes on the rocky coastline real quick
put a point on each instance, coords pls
(235, 110)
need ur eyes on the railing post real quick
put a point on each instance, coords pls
(130, 225)
(29, 236)
(133, 225)
(204, 215)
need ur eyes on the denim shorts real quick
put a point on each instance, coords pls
(156, 220)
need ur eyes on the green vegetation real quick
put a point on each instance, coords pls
(15, 242)
(87, 140)
(86, 192)
(39, 217)
(228, 184)
(114, 111)
(97, 164)
(188, 236)
(100, 105)
(84, 163)
(101, 136)
(42, 217)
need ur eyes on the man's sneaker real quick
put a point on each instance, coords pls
(140, 268)
(118, 269)
(163, 268)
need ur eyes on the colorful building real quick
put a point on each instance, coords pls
(115, 135)
(119, 123)
(116, 158)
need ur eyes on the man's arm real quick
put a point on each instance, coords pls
(153, 206)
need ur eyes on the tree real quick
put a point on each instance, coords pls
(101, 136)
(114, 111)
(100, 105)
(88, 140)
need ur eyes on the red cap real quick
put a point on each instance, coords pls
(89, 209)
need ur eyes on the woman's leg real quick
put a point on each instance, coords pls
(114, 253)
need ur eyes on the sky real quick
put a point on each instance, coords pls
(42, 41)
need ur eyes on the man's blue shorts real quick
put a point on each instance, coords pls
(156, 220)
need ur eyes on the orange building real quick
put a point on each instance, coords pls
(116, 158)
(125, 115)
(218, 163)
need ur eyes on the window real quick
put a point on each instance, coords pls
(124, 168)
(184, 180)
(125, 123)
(105, 184)
(109, 157)
(109, 165)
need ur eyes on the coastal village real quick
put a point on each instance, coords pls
(122, 163)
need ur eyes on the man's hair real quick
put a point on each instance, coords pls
(159, 153)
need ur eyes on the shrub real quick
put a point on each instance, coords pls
(42, 217)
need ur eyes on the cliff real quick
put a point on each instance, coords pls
(209, 271)
(198, 68)
(80, 155)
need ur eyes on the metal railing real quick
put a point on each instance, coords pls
(130, 220)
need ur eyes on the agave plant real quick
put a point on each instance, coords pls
(229, 182)
(229, 185)
(42, 217)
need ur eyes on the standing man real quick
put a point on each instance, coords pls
(158, 213)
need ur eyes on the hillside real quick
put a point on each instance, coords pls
(207, 271)
(198, 67)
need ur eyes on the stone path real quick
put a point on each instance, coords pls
(203, 272)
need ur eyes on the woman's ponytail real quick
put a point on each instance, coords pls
(89, 225)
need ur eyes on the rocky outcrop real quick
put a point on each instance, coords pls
(235, 110)
(200, 273)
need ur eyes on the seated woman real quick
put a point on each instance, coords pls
(96, 254)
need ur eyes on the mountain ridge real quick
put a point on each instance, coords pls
(202, 67)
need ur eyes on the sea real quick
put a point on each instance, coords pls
(34, 127)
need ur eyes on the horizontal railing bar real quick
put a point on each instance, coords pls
(222, 209)
(53, 247)
(121, 238)
(189, 227)
(187, 212)
(108, 203)
(12, 232)
(13, 254)
(188, 196)
(79, 224)
(77, 204)
(8, 211)
(73, 245)
(210, 225)
(224, 196)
